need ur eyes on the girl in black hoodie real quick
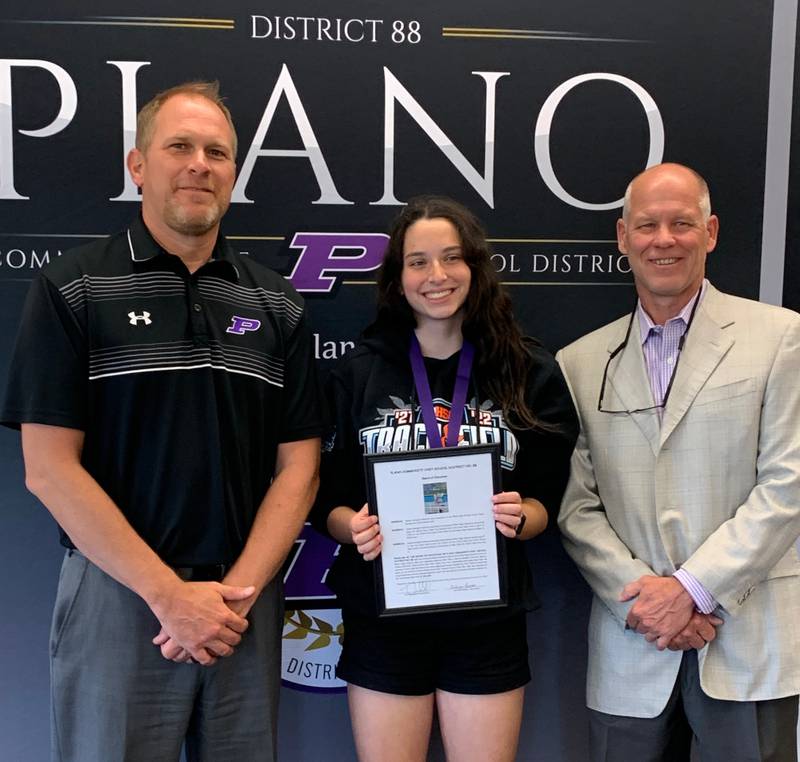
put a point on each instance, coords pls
(438, 291)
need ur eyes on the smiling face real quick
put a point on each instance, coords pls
(186, 173)
(435, 279)
(666, 235)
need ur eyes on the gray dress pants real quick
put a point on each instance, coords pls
(694, 726)
(115, 698)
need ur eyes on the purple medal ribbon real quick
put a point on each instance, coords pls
(465, 359)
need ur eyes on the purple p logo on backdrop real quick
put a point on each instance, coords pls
(241, 325)
(312, 623)
(318, 257)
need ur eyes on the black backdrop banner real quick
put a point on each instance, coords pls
(533, 115)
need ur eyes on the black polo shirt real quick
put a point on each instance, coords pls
(184, 384)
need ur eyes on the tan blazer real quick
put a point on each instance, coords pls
(714, 488)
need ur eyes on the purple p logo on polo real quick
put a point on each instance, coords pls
(241, 325)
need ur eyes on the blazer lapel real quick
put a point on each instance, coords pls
(627, 376)
(706, 345)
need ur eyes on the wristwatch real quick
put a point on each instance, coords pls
(522, 519)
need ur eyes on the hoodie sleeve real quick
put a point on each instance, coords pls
(543, 467)
(341, 468)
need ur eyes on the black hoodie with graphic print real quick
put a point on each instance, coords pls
(374, 408)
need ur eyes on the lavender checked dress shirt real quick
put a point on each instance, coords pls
(661, 348)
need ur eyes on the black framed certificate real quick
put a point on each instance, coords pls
(441, 549)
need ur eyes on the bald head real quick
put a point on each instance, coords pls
(666, 233)
(669, 172)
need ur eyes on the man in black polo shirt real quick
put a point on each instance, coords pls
(168, 401)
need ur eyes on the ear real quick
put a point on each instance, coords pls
(135, 164)
(712, 226)
(621, 230)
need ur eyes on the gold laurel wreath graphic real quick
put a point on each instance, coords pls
(304, 628)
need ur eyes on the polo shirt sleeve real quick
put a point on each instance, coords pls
(48, 377)
(301, 416)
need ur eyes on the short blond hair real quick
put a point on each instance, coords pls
(146, 118)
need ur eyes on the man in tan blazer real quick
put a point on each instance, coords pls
(683, 504)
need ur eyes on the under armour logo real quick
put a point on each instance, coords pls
(134, 318)
(240, 325)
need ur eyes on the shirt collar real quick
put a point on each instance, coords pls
(646, 324)
(146, 252)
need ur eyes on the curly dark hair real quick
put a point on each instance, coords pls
(502, 357)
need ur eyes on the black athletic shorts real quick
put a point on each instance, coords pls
(411, 657)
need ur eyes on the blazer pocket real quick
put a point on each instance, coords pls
(728, 391)
(788, 566)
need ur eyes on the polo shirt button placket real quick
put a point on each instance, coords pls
(198, 318)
